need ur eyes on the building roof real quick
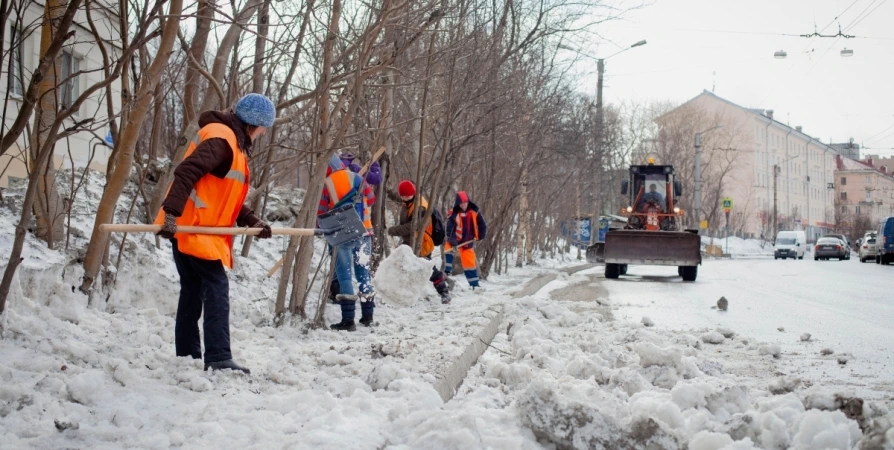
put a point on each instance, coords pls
(846, 164)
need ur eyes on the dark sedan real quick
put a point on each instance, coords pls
(829, 247)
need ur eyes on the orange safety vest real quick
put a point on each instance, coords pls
(459, 225)
(428, 245)
(213, 202)
(341, 183)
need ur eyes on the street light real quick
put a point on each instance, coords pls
(780, 54)
(697, 201)
(846, 53)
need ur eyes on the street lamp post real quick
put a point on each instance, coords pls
(600, 68)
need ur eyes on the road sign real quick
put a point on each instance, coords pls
(703, 225)
(727, 204)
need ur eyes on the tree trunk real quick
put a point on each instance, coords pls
(48, 208)
(307, 214)
(211, 101)
(523, 224)
(257, 86)
(129, 136)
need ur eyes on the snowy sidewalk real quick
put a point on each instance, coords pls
(105, 376)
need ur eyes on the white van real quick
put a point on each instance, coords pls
(790, 244)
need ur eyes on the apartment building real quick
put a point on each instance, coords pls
(862, 189)
(81, 60)
(803, 185)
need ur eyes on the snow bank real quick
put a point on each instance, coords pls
(740, 248)
(402, 278)
(602, 384)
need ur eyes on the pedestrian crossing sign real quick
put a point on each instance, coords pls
(727, 204)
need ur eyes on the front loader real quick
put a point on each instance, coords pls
(653, 234)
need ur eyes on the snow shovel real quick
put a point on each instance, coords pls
(362, 172)
(339, 226)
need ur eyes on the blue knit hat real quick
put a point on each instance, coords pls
(257, 110)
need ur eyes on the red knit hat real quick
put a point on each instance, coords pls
(406, 188)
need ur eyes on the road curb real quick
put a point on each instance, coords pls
(448, 383)
(534, 285)
(576, 269)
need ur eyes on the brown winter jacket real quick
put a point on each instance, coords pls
(212, 156)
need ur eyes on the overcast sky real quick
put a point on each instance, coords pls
(691, 40)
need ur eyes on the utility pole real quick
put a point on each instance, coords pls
(600, 66)
(697, 200)
(775, 214)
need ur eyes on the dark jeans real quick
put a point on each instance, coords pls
(203, 283)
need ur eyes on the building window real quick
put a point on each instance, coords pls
(844, 181)
(868, 180)
(71, 64)
(868, 196)
(857, 210)
(844, 195)
(844, 210)
(16, 86)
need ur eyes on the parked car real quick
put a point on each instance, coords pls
(885, 241)
(840, 237)
(869, 249)
(790, 244)
(830, 247)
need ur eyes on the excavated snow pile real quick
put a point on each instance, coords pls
(402, 278)
(600, 384)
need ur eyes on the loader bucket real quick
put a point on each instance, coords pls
(341, 225)
(596, 253)
(658, 248)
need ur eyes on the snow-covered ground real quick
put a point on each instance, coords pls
(737, 247)
(845, 307)
(574, 365)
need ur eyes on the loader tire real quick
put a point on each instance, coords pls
(623, 270)
(689, 273)
(612, 271)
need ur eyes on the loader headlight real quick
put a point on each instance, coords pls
(629, 209)
(676, 210)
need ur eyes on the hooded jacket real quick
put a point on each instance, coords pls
(212, 156)
(464, 221)
(404, 228)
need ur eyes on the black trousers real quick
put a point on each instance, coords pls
(203, 285)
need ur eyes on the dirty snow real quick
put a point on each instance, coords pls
(568, 368)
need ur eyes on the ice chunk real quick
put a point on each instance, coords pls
(402, 278)
(88, 387)
(770, 349)
(712, 337)
(825, 429)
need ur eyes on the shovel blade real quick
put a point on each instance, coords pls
(342, 225)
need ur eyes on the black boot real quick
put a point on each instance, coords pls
(344, 325)
(367, 306)
(226, 364)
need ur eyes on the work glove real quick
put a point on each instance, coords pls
(392, 231)
(169, 228)
(266, 232)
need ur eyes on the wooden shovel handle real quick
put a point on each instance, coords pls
(134, 228)
(371, 161)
